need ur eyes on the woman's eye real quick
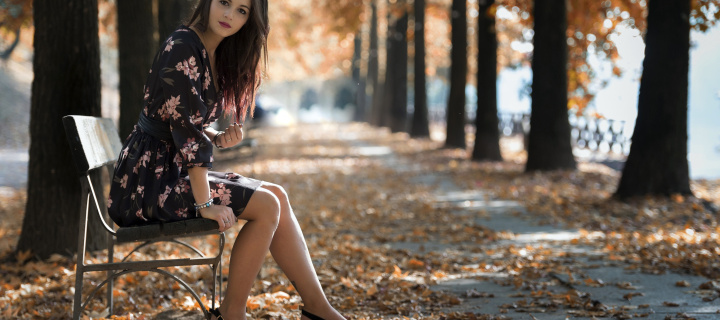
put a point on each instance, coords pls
(242, 11)
(223, 2)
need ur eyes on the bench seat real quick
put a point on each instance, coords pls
(160, 231)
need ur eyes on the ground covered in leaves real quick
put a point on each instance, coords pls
(354, 190)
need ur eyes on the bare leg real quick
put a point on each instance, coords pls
(290, 251)
(249, 250)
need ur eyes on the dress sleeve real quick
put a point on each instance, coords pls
(183, 107)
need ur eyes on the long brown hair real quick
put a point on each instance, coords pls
(238, 57)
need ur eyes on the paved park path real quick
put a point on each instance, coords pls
(650, 296)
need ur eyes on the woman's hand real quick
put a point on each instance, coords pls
(232, 135)
(222, 214)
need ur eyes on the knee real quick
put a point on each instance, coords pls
(270, 207)
(278, 191)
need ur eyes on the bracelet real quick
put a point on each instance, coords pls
(214, 141)
(207, 204)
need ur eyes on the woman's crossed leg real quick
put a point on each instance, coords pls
(271, 224)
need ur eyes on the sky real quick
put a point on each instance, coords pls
(618, 100)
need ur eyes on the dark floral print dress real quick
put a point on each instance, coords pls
(150, 183)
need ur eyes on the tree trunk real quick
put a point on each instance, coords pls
(549, 141)
(170, 15)
(136, 47)
(358, 81)
(458, 77)
(396, 79)
(67, 81)
(374, 68)
(657, 163)
(385, 101)
(487, 137)
(420, 124)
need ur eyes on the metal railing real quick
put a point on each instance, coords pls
(590, 133)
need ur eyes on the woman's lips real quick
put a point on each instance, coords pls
(225, 25)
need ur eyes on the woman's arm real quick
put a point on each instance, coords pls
(212, 135)
(211, 132)
(228, 138)
(201, 191)
(199, 183)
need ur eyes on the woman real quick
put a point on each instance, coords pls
(203, 71)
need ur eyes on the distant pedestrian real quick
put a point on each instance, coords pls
(206, 69)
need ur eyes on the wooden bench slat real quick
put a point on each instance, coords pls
(175, 229)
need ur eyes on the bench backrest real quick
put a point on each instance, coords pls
(94, 141)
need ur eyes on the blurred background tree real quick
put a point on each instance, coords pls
(373, 68)
(420, 127)
(455, 114)
(549, 141)
(487, 137)
(657, 163)
(170, 14)
(358, 80)
(136, 32)
(396, 75)
(375, 116)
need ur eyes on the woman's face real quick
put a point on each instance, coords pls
(228, 16)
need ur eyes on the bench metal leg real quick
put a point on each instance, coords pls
(80, 268)
(111, 252)
(219, 280)
(217, 272)
(222, 247)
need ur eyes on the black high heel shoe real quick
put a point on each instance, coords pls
(310, 315)
(216, 313)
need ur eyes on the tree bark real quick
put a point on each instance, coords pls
(385, 100)
(67, 81)
(420, 124)
(358, 81)
(396, 78)
(136, 47)
(657, 163)
(549, 145)
(458, 77)
(487, 137)
(374, 68)
(170, 14)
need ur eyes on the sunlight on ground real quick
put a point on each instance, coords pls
(547, 236)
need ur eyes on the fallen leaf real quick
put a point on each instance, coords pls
(682, 283)
(631, 295)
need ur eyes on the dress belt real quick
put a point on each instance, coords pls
(158, 129)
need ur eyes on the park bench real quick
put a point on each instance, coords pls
(95, 144)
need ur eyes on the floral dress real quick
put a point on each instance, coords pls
(150, 183)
